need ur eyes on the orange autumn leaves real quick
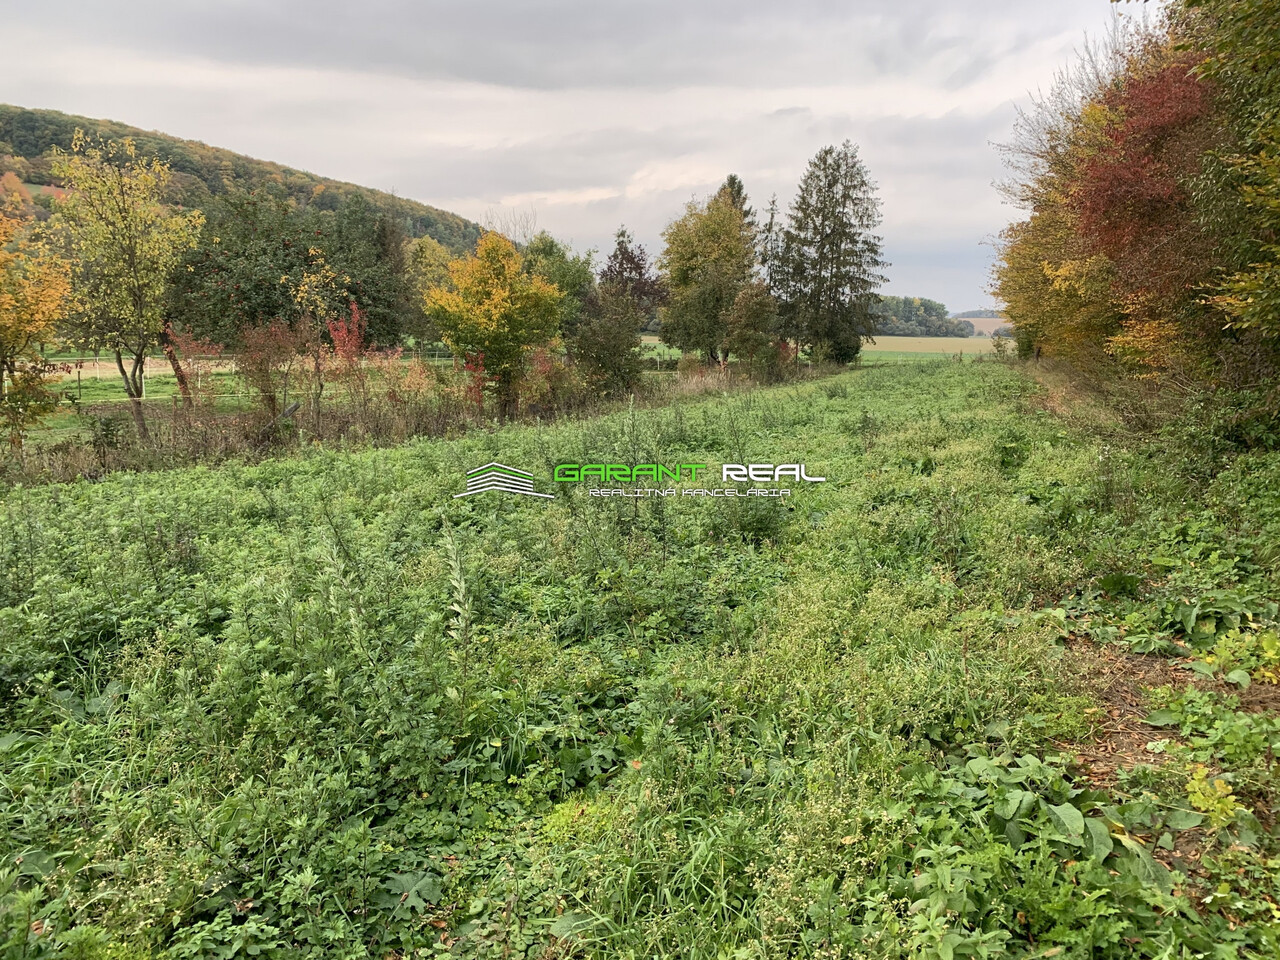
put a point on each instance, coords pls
(34, 286)
(1114, 257)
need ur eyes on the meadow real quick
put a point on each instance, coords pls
(1000, 687)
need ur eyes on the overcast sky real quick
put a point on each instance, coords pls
(589, 114)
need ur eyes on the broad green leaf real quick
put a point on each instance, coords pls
(1098, 843)
(1161, 718)
(1009, 802)
(1068, 820)
(1183, 820)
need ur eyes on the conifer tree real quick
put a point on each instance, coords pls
(831, 261)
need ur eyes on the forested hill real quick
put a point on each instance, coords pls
(201, 171)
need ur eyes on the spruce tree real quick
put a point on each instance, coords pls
(830, 260)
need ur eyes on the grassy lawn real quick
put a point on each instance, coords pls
(320, 707)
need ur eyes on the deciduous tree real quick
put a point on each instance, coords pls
(607, 342)
(628, 268)
(123, 243)
(34, 286)
(572, 274)
(709, 257)
(753, 323)
(495, 311)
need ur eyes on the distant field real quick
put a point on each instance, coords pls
(987, 325)
(947, 345)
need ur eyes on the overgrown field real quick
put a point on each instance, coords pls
(318, 707)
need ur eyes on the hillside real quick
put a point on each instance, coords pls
(202, 171)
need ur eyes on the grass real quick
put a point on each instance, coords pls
(320, 707)
(104, 396)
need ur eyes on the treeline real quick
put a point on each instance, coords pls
(1152, 186)
(299, 297)
(199, 173)
(918, 317)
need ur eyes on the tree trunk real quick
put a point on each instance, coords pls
(132, 387)
(508, 400)
(318, 386)
(166, 344)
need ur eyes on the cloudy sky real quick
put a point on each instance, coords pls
(586, 115)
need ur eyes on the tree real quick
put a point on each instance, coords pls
(752, 325)
(495, 312)
(124, 244)
(628, 268)
(709, 257)
(1243, 62)
(735, 191)
(1132, 206)
(831, 257)
(607, 342)
(427, 266)
(917, 317)
(770, 247)
(573, 275)
(240, 275)
(34, 286)
(15, 197)
(256, 248)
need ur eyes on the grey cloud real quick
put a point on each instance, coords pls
(550, 45)
(591, 114)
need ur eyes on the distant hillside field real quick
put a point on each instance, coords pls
(985, 322)
(201, 171)
(987, 325)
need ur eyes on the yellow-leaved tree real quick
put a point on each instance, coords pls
(34, 284)
(493, 313)
(124, 242)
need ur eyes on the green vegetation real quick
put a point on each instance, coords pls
(300, 298)
(318, 707)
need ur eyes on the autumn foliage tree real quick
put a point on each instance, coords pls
(1132, 199)
(34, 285)
(1149, 240)
(1242, 59)
(494, 310)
